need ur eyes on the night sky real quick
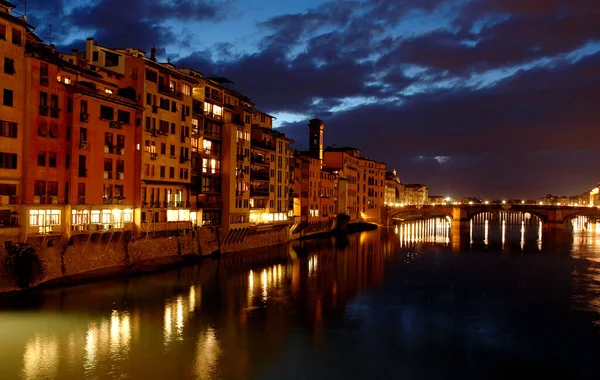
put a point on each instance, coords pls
(490, 98)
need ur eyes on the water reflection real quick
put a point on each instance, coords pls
(268, 312)
(40, 359)
(435, 230)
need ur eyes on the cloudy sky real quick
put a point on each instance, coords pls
(491, 98)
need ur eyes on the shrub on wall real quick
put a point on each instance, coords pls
(24, 263)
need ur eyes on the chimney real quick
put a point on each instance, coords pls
(153, 54)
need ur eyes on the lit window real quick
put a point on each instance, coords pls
(217, 110)
(118, 218)
(95, 218)
(128, 216)
(109, 91)
(106, 216)
(80, 217)
(186, 89)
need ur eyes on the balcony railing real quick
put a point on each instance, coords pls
(213, 115)
(214, 97)
(113, 201)
(84, 145)
(210, 205)
(164, 89)
(212, 134)
(259, 192)
(263, 144)
(84, 117)
(43, 110)
(259, 175)
(115, 124)
(259, 160)
(211, 152)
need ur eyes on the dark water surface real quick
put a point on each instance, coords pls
(509, 300)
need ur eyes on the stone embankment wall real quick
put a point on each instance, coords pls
(111, 253)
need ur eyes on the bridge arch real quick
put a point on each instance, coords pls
(587, 212)
(541, 215)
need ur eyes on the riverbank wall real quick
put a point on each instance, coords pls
(85, 257)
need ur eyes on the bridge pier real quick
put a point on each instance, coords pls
(459, 234)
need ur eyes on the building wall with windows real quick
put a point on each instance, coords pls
(346, 162)
(13, 112)
(270, 172)
(164, 137)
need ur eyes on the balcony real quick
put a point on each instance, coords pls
(258, 192)
(84, 145)
(197, 109)
(183, 159)
(263, 144)
(84, 117)
(166, 90)
(212, 134)
(195, 132)
(210, 152)
(210, 205)
(259, 160)
(115, 124)
(215, 97)
(153, 156)
(113, 201)
(213, 116)
(82, 173)
(43, 110)
(259, 175)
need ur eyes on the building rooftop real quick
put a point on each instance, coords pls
(7, 4)
(340, 149)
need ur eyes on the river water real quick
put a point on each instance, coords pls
(509, 299)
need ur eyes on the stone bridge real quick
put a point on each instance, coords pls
(550, 215)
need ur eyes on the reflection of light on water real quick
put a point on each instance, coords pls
(40, 359)
(522, 235)
(263, 279)
(192, 305)
(168, 324)
(435, 230)
(312, 266)
(503, 232)
(250, 287)
(486, 232)
(540, 236)
(471, 232)
(207, 354)
(179, 324)
(90, 346)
